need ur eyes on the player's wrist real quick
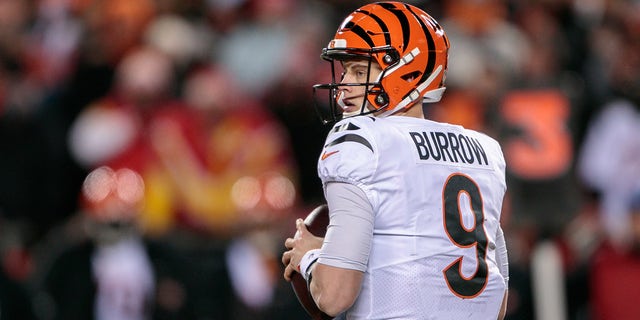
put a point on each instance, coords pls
(307, 261)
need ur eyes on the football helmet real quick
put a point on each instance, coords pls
(410, 47)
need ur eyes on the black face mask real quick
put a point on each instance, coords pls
(328, 107)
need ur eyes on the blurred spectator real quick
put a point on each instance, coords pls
(257, 49)
(248, 160)
(185, 41)
(611, 148)
(54, 39)
(139, 125)
(615, 272)
(248, 167)
(112, 272)
(112, 130)
(610, 164)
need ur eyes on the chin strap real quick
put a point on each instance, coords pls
(430, 96)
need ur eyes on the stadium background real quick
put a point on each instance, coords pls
(209, 103)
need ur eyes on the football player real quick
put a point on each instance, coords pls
(414, 205)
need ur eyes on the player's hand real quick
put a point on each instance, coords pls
(302, 242)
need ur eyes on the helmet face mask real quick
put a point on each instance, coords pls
(373, 90)
(405, 42)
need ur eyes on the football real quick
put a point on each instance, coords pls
(316, 221)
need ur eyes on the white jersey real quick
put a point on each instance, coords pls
(436, 191)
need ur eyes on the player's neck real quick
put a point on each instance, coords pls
(414, 111)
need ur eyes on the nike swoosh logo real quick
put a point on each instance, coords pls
(328, 154)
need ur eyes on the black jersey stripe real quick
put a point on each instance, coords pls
(351, 137)
(344, 127)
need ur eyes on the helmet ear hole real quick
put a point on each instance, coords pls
(411, 76)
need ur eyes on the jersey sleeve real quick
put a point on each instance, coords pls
(347, 242)
(350, 153)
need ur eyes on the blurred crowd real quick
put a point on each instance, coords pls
(155, 153)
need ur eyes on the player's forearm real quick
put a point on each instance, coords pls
(334, 290)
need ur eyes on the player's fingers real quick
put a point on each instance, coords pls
(288, 271)
(286, 258)
(289, 243)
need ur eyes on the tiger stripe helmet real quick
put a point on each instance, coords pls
(408, 44)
